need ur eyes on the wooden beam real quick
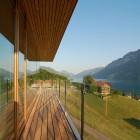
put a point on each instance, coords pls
(16, 67)
(25, 73)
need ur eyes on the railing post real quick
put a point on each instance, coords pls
(82, 110)
(56, 85)
(7, 91)
(25, 73)
(59, 88)
(52, 82)
(65, 92)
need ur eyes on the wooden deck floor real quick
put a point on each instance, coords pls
(47, 120)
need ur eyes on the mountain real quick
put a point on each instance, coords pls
(85, 73)
(29, 72)
(125, 68)
(49, 69)
(6, 74)
(66, 73)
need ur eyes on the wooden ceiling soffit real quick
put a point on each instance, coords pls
(7, 19)
(47, 21)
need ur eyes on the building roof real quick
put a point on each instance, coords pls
(45, 22)
(101, 83)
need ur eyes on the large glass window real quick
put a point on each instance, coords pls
(32, 68)
(6, 87)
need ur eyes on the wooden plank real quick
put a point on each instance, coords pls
(55, 122)
(30, 102)
(25, 73)
(30, 120)
(44, 123)
(40, 119)
(60, 121)
(50, 131)
(6, 123)
(33, 124)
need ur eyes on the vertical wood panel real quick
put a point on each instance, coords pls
(25, 73)
(16, 61)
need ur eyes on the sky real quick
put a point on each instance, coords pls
(99, 32)
(6, 54)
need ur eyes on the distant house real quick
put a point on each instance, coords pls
(47, 84)
(103, 87)
(37, 83)
(43, 84)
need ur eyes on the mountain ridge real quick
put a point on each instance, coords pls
(125, 68)
(66, 73)
(86, 72)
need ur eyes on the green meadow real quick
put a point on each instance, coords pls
(117, 117)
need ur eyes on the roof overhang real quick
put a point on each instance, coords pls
(46, 22)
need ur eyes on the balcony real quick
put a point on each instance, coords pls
(47, 119)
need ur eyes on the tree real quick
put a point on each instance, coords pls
(90, 85)
(45, 75)
(88, 79)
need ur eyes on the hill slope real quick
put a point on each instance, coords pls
(122, 114)
(45, 75)
(126, 68)
(49, 69)
(64, 73)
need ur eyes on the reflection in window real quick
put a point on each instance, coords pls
(6, 88)
(6, 70)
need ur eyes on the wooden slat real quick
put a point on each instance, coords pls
(55, 123)
(44, 123)
(40, 120)
(50, 130)
(33, 122)
(6, 120)
(48, 29)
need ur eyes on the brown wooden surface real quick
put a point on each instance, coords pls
(7, 114)
(48, 121)
(16, 70)
(7, 121)
(47, 21)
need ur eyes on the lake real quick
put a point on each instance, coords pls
(132, 86)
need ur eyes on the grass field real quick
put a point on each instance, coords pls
(117, 117)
